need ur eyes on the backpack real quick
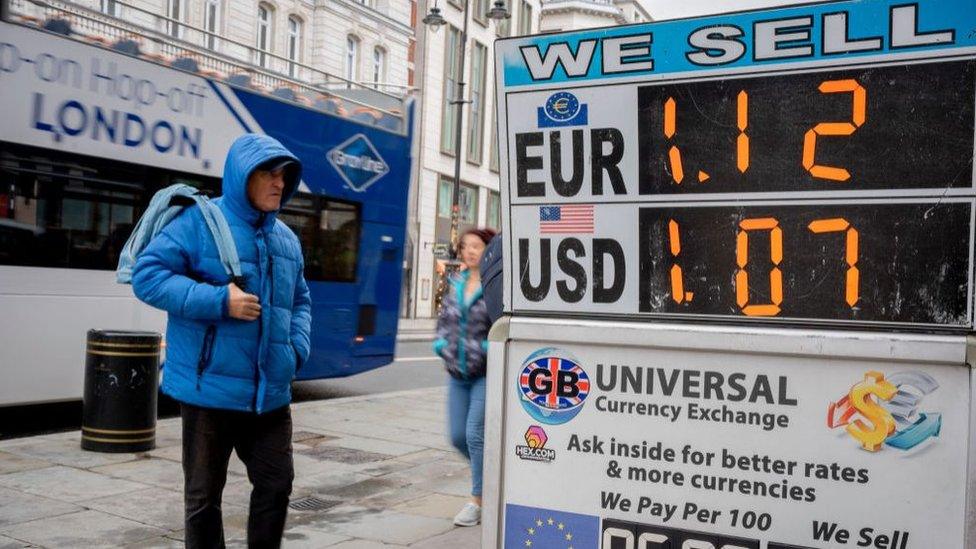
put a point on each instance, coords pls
(163, 207)
(491, 277)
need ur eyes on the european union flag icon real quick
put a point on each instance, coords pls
(536, 528)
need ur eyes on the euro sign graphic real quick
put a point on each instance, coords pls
(872, 436)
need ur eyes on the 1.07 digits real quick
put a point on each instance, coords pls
(743, 298)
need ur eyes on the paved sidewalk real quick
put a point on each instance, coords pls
(380, 465)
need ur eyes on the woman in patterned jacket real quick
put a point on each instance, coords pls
(462, 341)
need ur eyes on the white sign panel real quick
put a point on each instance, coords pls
(673, 444)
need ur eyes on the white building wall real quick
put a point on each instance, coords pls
(563, 20)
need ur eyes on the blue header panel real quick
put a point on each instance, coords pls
(811, 32)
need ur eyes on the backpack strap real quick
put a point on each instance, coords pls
(163, 207)
(223, 238)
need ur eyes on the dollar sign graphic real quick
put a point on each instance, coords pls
(882, 424)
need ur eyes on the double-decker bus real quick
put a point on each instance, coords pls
(98, 112)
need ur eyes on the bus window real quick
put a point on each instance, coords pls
(67, 220)
(329, 231)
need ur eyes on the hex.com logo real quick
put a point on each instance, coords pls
(358, 162)
(552, 386)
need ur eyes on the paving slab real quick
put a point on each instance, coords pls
(329, 480)
(153, 506)
(157, 472)
(431, 470)
(67, 483)
(97, 529)
(63, 452)
(310, 463)
(172, 453)
(434, 506)
(17, 507)
(382, 468)
(458, 538)
(391, 498)
(363, 544)
(367, 488)
(10, 543)
(431, 454)
(303, 537)
(12, 463)
(160, 542)
(394, 527)
(458, 484)
(376, 445)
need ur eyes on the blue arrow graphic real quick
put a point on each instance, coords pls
(928, 425)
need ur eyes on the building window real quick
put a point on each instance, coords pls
(379, 66)
(211, 22)
(352, 58)
(445, 197)
(452, 69)
(480, 11)
(110, 7)
(476, 109)
(494, 210)
(468, 204)
(265, 27)
(174, 11)
(294, 44)
(525, 18)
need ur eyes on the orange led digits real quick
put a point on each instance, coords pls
(742, 142)
(670, 128)
(859, 115)
(775, 274)
(677, 277)
(852, 284)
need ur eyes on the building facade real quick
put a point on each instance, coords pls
(366, 41)
(561, 15)
(432, 193)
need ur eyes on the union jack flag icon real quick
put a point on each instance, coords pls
(555, 383)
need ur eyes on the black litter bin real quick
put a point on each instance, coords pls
(121, 380)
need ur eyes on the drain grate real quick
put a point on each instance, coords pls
(312, 503)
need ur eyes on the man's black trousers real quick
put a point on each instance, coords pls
(263, 442)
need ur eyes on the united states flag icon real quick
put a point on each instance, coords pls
(569, 219)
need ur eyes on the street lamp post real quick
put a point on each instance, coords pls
(435, 20)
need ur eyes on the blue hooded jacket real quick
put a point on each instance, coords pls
(213, 360)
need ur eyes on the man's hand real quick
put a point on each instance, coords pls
(242, 305)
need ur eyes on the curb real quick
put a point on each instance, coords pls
(415, 337)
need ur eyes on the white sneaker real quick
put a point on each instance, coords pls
(469, 515)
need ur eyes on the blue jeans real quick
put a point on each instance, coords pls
(466, 417)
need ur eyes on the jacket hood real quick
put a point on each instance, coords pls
(247, 153)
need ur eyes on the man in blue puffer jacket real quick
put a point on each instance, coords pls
(232, 352)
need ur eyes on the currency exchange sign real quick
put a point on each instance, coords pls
(808, 165)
